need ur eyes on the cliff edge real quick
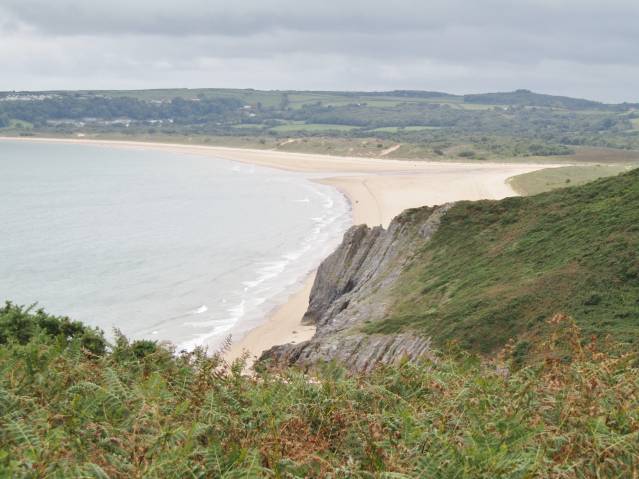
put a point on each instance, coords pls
(352, 288)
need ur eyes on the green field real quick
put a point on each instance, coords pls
(249, 126)
(397, 129)
(553, 178)
(471, 106)
(311, 127)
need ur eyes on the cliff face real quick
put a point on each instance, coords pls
(352, 288)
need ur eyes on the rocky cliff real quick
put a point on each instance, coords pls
(353, 287)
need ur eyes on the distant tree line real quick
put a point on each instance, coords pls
(70, 107)
(520, 122)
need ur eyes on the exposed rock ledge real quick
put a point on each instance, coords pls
(353, 286)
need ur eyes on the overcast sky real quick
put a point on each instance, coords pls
(585, 48)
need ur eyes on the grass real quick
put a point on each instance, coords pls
(311, 127)
(495, 270)
(396, 129)
(552, 178)
(249, 126)
(473, 106)
(602, 156)
(635, 123)
(133, 410)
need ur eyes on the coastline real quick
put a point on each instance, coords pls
(377, 190)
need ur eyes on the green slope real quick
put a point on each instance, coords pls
(496, 270)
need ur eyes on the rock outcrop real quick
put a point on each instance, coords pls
(353, 287)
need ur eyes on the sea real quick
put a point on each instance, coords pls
(158, 244)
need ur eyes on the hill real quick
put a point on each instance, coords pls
(529, 98)
(496, 270)
(480, 274)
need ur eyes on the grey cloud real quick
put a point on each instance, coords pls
(241, 17)
(586, 47)
(523, 31)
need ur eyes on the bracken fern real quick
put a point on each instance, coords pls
(142, 411)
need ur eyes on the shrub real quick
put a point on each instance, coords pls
(571, 412)
(21, 325)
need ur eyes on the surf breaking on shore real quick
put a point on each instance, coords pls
(274, 279)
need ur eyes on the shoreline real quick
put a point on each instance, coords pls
(288, 161)
(377, 191)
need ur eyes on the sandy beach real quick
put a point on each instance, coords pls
(378, 190)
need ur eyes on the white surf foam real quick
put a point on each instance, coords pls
(272, 280)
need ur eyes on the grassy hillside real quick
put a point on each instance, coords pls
(496, 270)
(72, 406)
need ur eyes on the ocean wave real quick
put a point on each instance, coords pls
(272, 279)
(201, 339)
(276, 277)
(220, 326)
(200, 310)
(270, 270)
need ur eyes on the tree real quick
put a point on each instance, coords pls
(284, 101)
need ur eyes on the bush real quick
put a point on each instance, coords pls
(572, 412)
(21, 325)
